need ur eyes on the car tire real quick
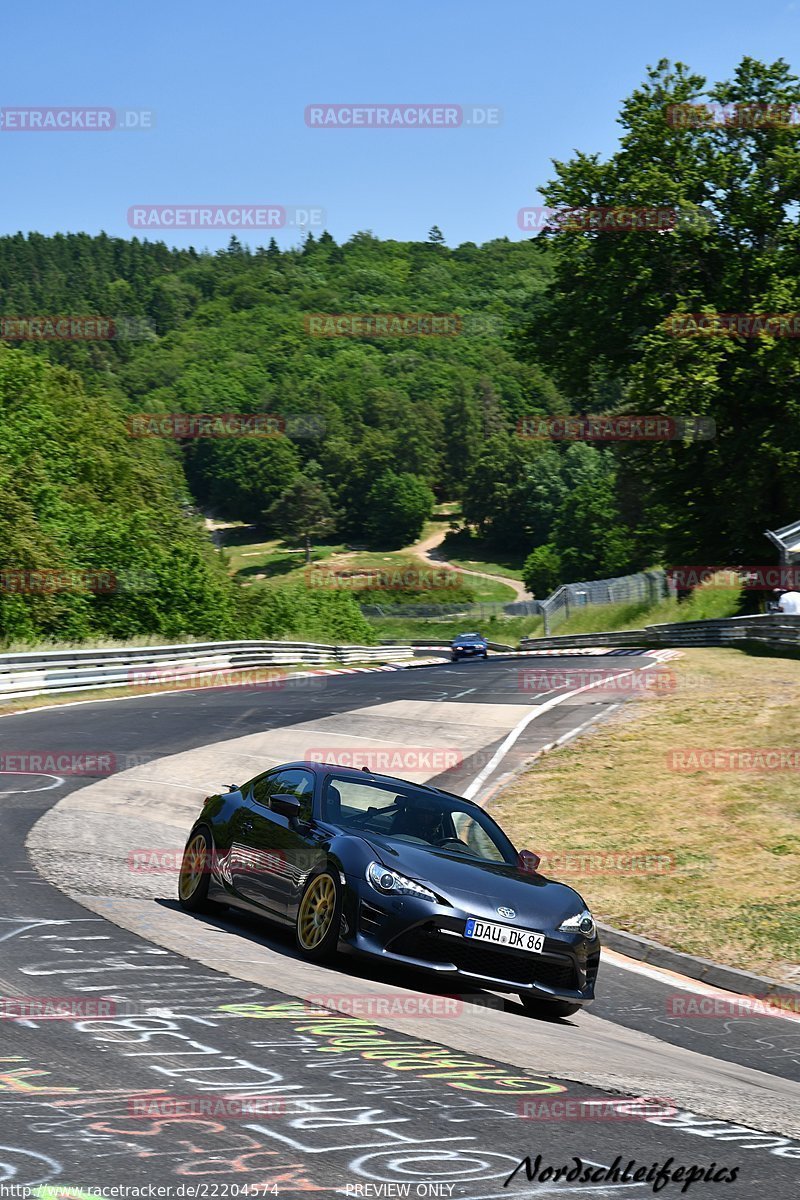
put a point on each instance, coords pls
(319, 916)
(548, 1010)
(194, 876)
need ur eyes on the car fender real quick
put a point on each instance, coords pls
(352, 854)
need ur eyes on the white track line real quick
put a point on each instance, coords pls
(537, 711)
(29, 791)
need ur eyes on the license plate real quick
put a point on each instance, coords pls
(504, 935)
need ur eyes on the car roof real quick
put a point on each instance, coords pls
(359, 776)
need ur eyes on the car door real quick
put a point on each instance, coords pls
(270, 848)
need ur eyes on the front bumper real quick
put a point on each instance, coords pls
(429, 937)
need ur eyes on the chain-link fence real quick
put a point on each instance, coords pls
(520, 608)
(649, 586)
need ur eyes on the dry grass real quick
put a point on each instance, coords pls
(732, 895)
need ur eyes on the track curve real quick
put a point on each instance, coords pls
(156, 960)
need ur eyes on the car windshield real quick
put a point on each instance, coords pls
(469, 637)
(415, 817)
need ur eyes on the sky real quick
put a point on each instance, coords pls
(225, 89)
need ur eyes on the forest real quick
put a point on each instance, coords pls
(384, 377)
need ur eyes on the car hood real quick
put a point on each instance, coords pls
(481, 888)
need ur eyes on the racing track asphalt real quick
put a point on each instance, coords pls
(68, 1088)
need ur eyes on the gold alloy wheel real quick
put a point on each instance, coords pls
(192, 867)
(316, 912)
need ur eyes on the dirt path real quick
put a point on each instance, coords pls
(428, 550)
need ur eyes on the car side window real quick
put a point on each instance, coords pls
(292, 783)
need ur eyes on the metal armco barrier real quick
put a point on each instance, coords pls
(36, 673)
(778, 630)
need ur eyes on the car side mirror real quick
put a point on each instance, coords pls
(528, 861)
(285, 805)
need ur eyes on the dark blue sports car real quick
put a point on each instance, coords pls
(406, 873)
(468, 645)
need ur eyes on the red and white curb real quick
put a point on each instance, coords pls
(419, 662)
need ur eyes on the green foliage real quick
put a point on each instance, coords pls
(602, 327)
(97, 515)
(569, 322)
(589, 539)
(514, 490)
(542, 571)
(399, 506)
(238, 478)
(297, 612)
(303, 511)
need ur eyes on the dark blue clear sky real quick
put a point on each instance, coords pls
(229, 83)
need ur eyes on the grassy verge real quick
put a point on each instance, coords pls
(98, 643)
(734, 834)
(271, 562)
(705, 603)
(273, 559)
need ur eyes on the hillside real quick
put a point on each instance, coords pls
(385, 377)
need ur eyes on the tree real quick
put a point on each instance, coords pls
(462, 439)
(238, 478)
(302, 511)
(436, 236)
(82, 501)
(485, 494)
(514, 491)
(588, 535)
(541, 572)
(732, 187)
(398, 506)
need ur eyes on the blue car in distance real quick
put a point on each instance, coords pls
(468, 645)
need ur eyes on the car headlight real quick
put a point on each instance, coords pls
(392, 883)
(582, 922)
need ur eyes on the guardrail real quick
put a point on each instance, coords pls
(768, 629)
(628, 637)
(35, 673)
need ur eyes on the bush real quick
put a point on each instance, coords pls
(542, 571)
(293, 612)
(399, 506)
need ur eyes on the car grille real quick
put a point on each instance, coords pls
(476, 959)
